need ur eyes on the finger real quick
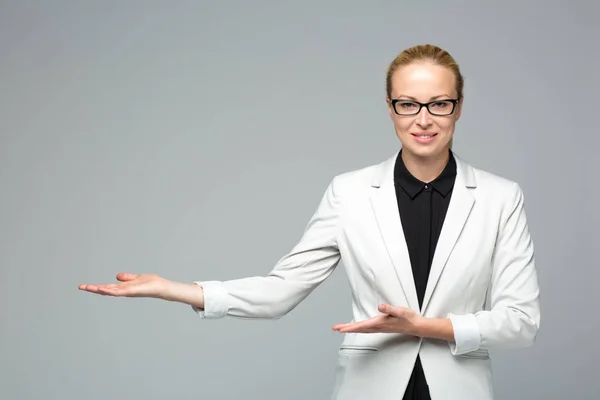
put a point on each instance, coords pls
(398, 312)
(337, 327)
(359, 329)
(109, 290)
(111, 286)
(90, 288)
(126, 276)
(386, 308)
(95, 287)
(87, 287)
(118, 289)
(345, 325)
(372, 325)
(367, 324)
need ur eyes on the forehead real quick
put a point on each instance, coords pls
(423, 81)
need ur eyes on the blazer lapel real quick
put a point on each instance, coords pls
(459, 209)
(385, 207)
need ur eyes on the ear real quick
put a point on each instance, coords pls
(459, 107)
(389, 106)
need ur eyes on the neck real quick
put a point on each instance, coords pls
(425, 169)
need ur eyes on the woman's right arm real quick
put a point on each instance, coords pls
(291, 280)
(152, 286)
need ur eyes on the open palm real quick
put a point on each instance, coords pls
(131, 285)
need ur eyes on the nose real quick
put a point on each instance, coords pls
(423, 117)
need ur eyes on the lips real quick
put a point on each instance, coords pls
(424, 137)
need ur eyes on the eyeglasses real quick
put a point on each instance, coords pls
(436, 107)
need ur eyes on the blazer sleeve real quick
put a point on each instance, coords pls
(513, 318)
(292, 278)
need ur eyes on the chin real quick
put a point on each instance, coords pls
(425, 151)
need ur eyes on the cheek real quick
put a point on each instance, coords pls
(447, 125)
(402, 125)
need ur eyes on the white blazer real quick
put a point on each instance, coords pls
(483, 277)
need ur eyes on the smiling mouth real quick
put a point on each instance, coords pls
(424, 136)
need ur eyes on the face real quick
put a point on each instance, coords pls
(424, 82)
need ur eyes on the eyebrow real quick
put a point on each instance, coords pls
(412, 98)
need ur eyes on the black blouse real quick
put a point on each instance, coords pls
(422, 207)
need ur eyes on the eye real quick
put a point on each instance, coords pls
(407, 105)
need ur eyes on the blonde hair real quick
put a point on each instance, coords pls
(425, 52)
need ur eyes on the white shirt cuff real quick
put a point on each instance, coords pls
(467, 337)
(215, 300)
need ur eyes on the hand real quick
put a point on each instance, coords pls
(393, 320)
(131, 285)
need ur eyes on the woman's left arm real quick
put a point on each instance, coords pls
(513, 319)
(514, 316)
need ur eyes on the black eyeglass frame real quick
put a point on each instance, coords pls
(421, 105)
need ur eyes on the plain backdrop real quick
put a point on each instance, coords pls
(194, 139)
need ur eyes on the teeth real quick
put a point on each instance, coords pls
(425, 136)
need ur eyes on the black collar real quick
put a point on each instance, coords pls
(413, 186)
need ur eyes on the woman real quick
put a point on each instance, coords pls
(438, 256)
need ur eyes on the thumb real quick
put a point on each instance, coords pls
(385, 308)
(388, 309)
(125, 276)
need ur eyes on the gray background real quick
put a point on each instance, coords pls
(194, 140)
